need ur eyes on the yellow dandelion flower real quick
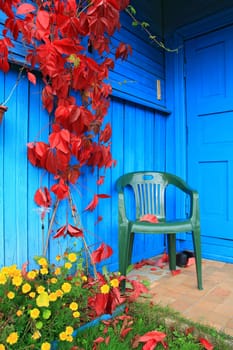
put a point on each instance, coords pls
(2, 347)
(3, 278)
(26, 288)
(36, 335)
(46, 346)
(17, 281)
(53, 280)
(40, 289)
(32, 295)
(57, 271)
(10, 295)
(73, 306)
(76, 314)
(68, 265)
(19, 313)
(114, 282)
(58, 257)
(72, 257)
(44, 271)
(12, 338)
(66, 287)
(69, 330)
(42, 299)
(59, 293)
(69, 338)
(105, 289)
(52, 296)
(84, 278)
(42, 262)
(35, 313)
(62, 336)
(31, 275)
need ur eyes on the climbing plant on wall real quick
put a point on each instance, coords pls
(69, 43)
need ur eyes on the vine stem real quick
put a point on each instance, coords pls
(87, 250)
(51, 226)
(14, 87)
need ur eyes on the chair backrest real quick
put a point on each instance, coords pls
(149, 191)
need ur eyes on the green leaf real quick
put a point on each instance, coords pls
(131, 9)
(145, 24)
(134, 23)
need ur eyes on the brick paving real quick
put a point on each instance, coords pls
(212, 306)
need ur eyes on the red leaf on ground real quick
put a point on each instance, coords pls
(153, 269)
(155, 335)
(206, 344)
(125, 331)
(191, 261)
(149, 218)
(175, 272)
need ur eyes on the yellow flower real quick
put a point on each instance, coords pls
(40, 289)
(36, 335)
(42, 299)
(2, 347)
(52, 296)
(42, 262)
(26, 288)
(68, 265)
(19, 313)
(10, 295)
(73, 306)
(66, 287)
(17, 281)
(44, 271)
(32, 295)
(46, 346)
(114, 282)
(2, 278)
(72, 257)
(35, 313)
(58, 257)
(69, 330)
(76, 314)
(59, 293)
(105, 289)
(53, 280)
(12, 338)
(62, 336)
(84, 278)
(69, 338)
(57, 271)
(31, 275)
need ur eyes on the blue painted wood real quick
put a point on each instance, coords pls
(210, 142)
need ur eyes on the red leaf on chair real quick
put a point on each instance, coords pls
(149, 218)
(206, 344)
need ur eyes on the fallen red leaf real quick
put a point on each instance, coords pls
(206, 344)
(175, 272)
(125, 331)
(191, 261)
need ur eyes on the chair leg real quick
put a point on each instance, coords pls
(125, 251)
(171, 239)
(197, 251)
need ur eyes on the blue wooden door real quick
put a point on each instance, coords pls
(209, 88)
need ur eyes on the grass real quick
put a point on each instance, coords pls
(122, 333)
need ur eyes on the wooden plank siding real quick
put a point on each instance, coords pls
(138, 143)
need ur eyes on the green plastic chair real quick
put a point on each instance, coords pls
(149, 190)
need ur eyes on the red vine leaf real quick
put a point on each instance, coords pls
(42, 197)
(74, 231)
(31, 78)
(60, 232)
(103, 252)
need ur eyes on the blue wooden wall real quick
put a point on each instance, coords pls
(138, 142)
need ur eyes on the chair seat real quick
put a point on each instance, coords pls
(165, 227)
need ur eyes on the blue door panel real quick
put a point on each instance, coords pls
(209, 88)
